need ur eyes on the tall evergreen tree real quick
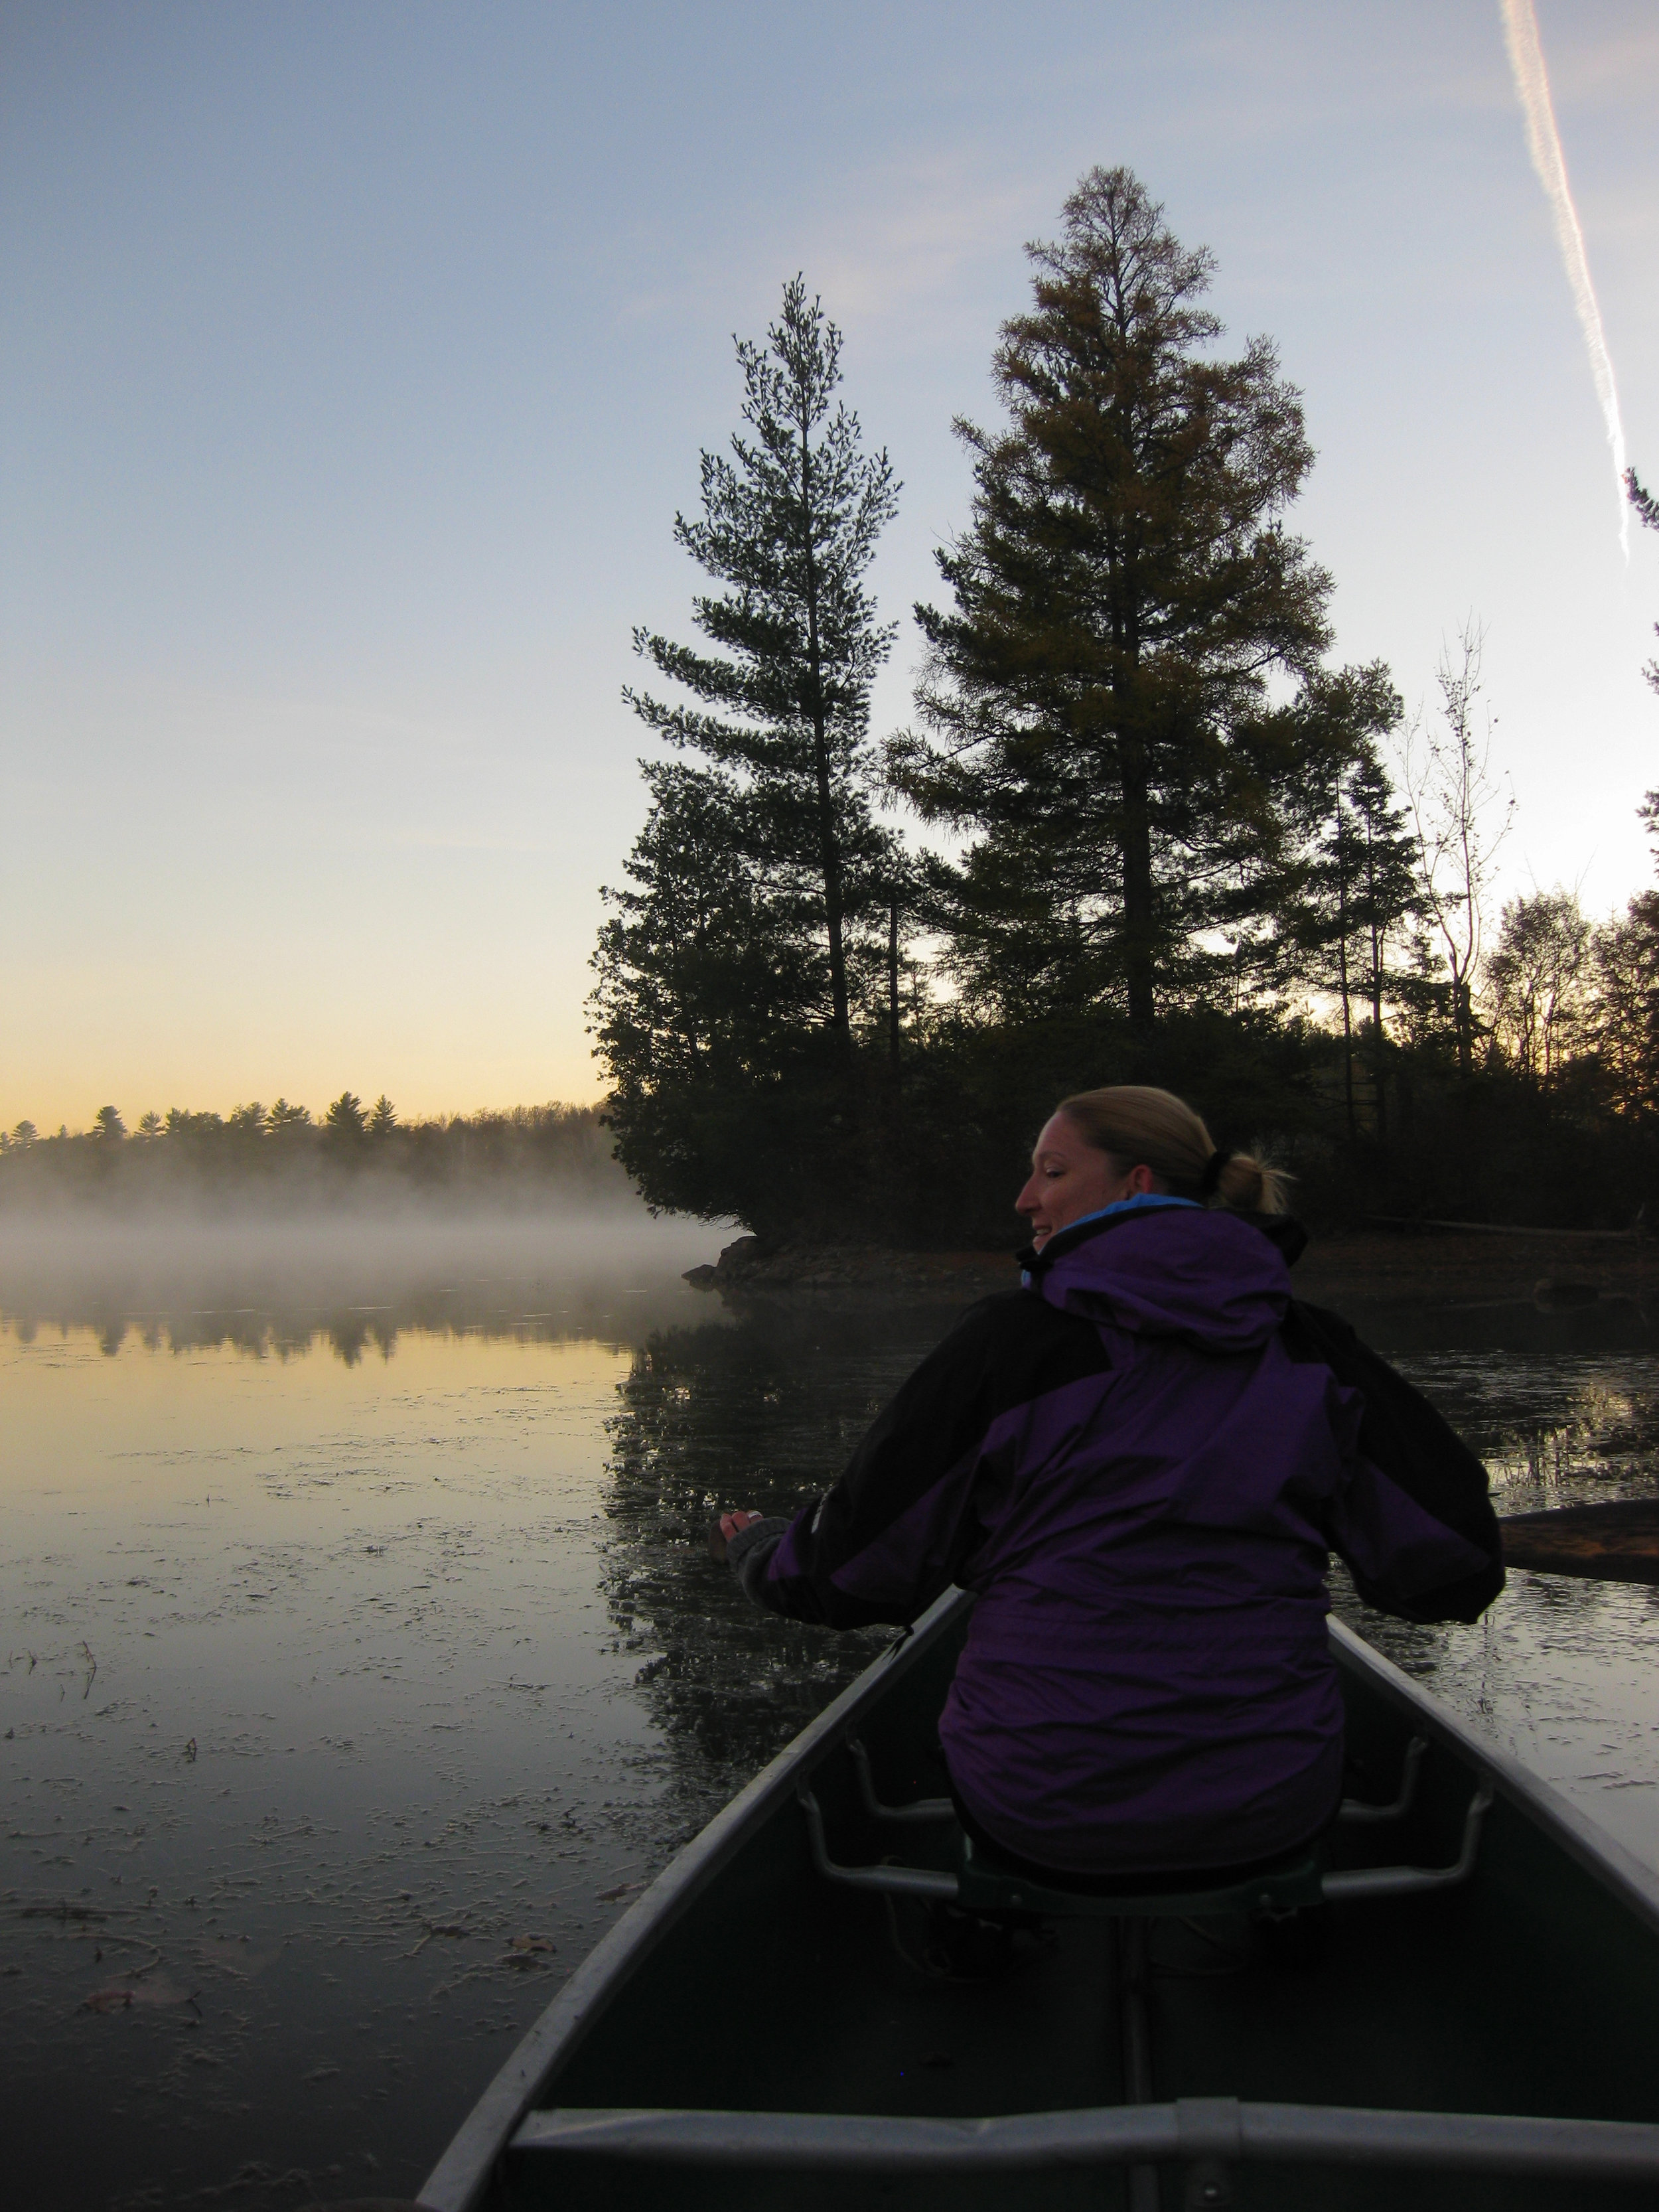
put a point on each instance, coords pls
(708, 978)
(789, 524)
(754, 939)
(1094, 702)
(1359, 879)
(1387, 901)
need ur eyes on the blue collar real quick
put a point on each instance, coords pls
(1144, 1202)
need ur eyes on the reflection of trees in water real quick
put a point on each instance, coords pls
(1555, 1426)
(1604, 1434)
(531, 1310)
(764, 1414)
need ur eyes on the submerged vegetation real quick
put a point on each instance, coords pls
(1162, 839)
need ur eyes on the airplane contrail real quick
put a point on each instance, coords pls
(1532, 83)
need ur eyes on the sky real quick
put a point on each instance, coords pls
(355, 361)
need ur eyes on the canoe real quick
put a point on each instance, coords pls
(1465, 2007)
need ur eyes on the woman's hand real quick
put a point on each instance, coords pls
(727, 1526)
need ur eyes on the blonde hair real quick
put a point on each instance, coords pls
(1135, 1124)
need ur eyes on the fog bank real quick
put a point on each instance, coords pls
(198, 1275)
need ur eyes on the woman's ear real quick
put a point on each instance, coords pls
(1141, 1181)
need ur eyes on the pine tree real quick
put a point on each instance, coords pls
(1387, 897)
(344, 1119)
(789, 524)
(708, 978)
(1357, 882)
(1095, 699)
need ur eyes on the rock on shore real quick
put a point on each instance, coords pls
(751, 1265)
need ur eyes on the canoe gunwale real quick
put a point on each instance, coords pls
(1583, 1839)
(459, 2179)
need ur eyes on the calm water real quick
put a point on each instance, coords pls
(361, 1657)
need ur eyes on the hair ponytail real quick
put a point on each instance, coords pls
(1135, 1124)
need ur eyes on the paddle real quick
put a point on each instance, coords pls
(1614, 1543)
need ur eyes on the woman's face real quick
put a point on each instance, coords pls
(1070, 1178)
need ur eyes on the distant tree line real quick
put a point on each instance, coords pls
(283, 1151)
(1162, 838)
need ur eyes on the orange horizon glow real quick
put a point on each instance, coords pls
(57, 1103)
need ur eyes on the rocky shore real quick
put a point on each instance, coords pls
(751, 1266)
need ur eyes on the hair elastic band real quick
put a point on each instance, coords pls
(1210, 1182)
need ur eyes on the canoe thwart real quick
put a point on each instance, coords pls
(1411, 1882)
(1216, 2131)
(1355, 1811)
(924, 1808)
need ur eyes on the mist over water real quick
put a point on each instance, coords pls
(188, 1273)
(362, 1656)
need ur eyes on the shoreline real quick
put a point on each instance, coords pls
(1550, 1267)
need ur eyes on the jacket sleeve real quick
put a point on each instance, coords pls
(882, 1542)
(1418, 1529)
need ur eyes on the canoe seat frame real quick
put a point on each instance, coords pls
(982, 1884)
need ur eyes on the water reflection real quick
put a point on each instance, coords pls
(761, 1411)
(262, 1297)
(504, 1308)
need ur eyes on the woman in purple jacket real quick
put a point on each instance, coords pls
(1141, 1460)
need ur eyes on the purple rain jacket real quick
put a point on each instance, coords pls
(1141, 1462)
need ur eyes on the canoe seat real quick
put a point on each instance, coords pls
(985, 1883)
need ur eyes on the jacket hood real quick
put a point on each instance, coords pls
(1217, 1279)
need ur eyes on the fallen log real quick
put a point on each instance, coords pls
(1618, 1542)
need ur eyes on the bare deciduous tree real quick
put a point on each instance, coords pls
(1461, 814)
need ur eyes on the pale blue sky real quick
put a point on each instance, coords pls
(356, 359)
